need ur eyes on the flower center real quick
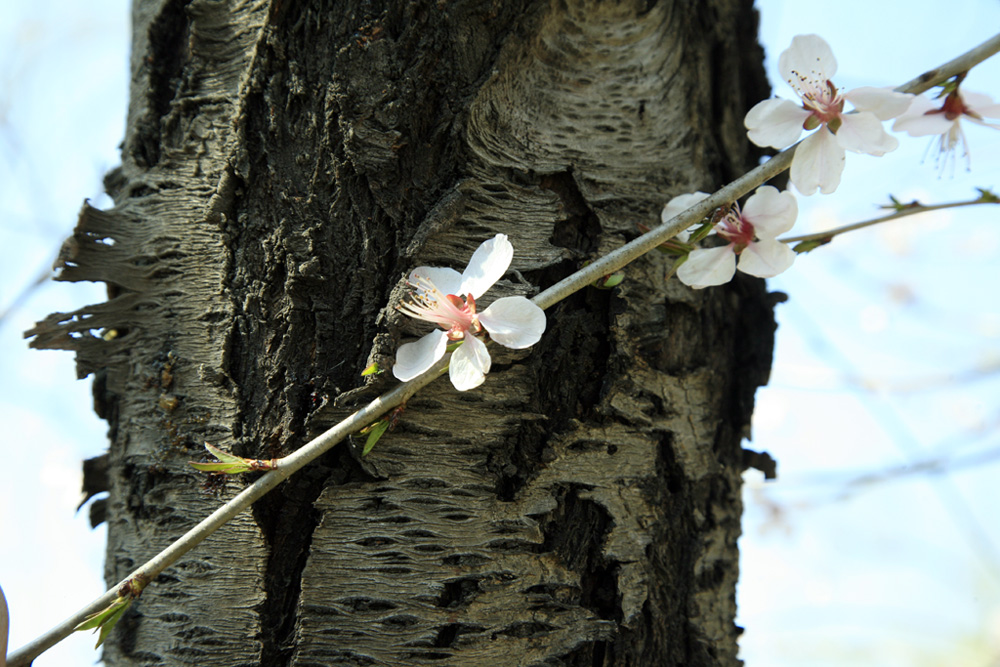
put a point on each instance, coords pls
(954, 107)
(824, 102)
(451, 312)
(736, 229)
(466, 319)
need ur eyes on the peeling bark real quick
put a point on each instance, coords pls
(285, 166)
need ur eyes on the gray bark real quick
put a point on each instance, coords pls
(286, 164)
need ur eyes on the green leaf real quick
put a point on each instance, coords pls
(372, 369)
(377, 430)
(809, 246)
(223, 456)
(229, 464)
(106, 618)
(110, 623)
(701, 232)
(228, 468)
(987, 196)
(613, 280)
(898, 206)
(608, 281)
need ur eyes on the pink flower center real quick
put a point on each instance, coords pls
(954, 107)
(464, 318)
(736, 229)
(453, 313)
(825, 103)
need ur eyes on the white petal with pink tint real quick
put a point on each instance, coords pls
(469, 364)
(863, 133)
(807, 63)
(775, 123)
(766, 258)
(413, 359)
(679, 204)
(488, 264)
(770, 211)
(818, 163)
(445, 280)
(514, 322)
(706, 267)
(885, 103)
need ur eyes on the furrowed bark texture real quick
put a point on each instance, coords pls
(286, 164)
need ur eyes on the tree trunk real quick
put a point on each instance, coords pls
(286, 165)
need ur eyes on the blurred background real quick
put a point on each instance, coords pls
(879, 544)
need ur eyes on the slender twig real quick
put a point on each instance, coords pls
(962, 63)
(286, 466)
(605, 265)
(910, 209)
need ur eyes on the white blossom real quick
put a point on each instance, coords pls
(448, 298)
(808, 66)
(926, 117)
(752, 235)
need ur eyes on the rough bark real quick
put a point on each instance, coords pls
(286, 164)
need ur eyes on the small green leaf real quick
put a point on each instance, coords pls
(987, 196)
(376, 431)
(898, 206)
(608, 281)
(109, 625)
(613, 280)
(701, 232)
(229, 464)
(223, 456)
(808, 246)
(228, 468)
(372, 369)
(106, 618)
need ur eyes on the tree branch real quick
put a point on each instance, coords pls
(902, 212)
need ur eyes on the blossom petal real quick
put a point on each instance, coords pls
(514, 322)
(679, 204)
(775, 123)
(447, 281)
(807, 63)
(981, 104)
(922, 126)
(862, 132)
(818, 163)
(413, 359)
(766, 258)
(488, 264)
(771, 212)
(918, 123)
(885, 103)
(706, 267)
(995, 126)
(469, 364)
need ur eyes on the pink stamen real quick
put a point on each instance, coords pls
(736, 229)
(449, 311)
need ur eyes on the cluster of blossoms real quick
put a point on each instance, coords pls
(808, 66)
(749, 234)
(448, 298)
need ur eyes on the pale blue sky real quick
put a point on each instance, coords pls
(893, 575)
